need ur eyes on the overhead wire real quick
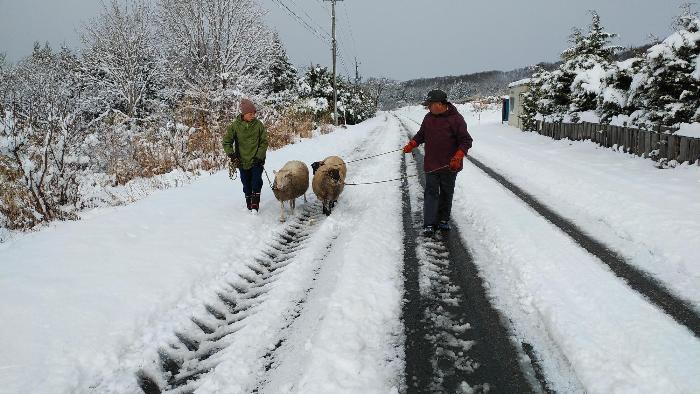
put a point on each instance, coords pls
(322, 34)
(352, 36)
(304, 24)
(309, 17)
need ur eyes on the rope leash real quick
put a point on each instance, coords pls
(373, 156)
(268, 179)
(395, 179)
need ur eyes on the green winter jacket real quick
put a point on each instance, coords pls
(247, 139)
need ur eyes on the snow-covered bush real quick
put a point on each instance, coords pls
(293, 123)
(44, 146)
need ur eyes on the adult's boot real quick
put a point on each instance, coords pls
(249, 201)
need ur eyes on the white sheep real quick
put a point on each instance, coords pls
(329, 181)
(291, 181)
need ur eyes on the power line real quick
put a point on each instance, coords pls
(309, 17)
(324, 7)
(352, 36)
(302, 21)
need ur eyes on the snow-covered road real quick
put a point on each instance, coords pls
(580, 317)
(90, 305)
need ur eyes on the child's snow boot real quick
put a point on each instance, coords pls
(255, 203)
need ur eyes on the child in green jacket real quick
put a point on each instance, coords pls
(246, 142)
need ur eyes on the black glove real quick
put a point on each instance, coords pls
(258, 162)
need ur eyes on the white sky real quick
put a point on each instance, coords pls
(402, 39)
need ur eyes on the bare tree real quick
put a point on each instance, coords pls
(209, 40)
(376, 87)
(119, 61)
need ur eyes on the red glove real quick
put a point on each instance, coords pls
(409, 147)
(456, 160)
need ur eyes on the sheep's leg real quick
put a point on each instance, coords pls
(305, 198)
(282, 211)
(293, 204)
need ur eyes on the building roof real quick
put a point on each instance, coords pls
(519, 83)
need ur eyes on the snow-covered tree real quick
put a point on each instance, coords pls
(209, 41)
(120, 65)
(281, 75)
(532, 99)
(667, 89)
(316, 88)
(280, 78)
(614, 97)
(376, 87)
(585, 64)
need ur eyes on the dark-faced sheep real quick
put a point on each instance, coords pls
(328, 181)
(291, 181)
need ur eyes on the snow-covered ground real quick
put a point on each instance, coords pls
(87, 304)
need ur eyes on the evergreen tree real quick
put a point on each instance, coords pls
(575, 86)
(281, 75)
(668, 86)
(531, 101)
(354, 104)
(614, 97)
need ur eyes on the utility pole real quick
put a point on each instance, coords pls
(335, 51)
(357, 73)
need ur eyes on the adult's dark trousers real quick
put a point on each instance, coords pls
(437, 198)
(252, 180)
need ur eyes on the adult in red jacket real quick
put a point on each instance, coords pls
(447, 141)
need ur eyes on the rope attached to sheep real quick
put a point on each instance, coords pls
(396, 179)
(370, 157)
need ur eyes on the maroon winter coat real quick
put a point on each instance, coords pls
(443, 134)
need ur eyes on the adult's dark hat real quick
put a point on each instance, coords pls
(435, 96)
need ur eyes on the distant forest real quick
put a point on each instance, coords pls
(467, 87)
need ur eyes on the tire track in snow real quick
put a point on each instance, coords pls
(184, 361)
(368, 146)
(455, 340)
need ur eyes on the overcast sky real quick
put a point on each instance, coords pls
(400, 39)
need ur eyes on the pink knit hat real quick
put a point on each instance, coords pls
(247, 106)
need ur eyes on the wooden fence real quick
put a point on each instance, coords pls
(656, 144)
